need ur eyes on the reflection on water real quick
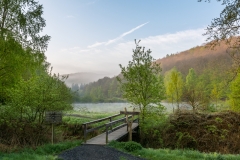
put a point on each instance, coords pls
(116, 107)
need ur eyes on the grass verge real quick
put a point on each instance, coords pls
(168, 154)
(44, 152)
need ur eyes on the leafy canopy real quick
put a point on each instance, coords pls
(174, 85)
(226, 28)
(141, 81)
(22, 19)
(234, 96)
(44, 91)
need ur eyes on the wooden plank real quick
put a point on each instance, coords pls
(102, 119)
(96, 128)
(101, 139)
(116, 121)
(116, 128)
(130, 112)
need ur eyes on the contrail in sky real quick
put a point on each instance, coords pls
(119, 37)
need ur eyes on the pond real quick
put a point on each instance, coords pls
(116, 107)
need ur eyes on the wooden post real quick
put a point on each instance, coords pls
(106, 134)
(85, 132)
(129, 125)
(111, 121)
(52, 133)
(126, 117)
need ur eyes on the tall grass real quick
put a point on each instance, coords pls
(44, 152)
(168, 154)
(75, 120)
(92, 115)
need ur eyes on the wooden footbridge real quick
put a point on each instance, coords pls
(114, 129)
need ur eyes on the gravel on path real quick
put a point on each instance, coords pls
(95, 152)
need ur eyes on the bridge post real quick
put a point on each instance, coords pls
(111, 121)
(85, 132)
(106, 134)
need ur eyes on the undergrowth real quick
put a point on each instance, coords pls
(168, 154)
(44, 152)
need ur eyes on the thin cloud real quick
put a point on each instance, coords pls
(96, 44)
(118, 38)
(134, 29)
(107, 58)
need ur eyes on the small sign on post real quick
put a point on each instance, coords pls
(53, 117)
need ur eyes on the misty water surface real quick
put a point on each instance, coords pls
(116, 107)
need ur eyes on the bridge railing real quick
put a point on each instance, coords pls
(85, 125)
(108, 125)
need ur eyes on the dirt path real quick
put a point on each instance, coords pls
(95, 152)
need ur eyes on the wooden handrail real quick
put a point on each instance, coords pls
(114, 122)
(130, 112)
(86, 131)
(102, 119)
(107, 125)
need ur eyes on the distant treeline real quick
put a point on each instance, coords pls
(212, 67)
(103, 90)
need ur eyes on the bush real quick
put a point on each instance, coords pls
(155, 123)
(132, 146)
(126, 146)
(47, 151)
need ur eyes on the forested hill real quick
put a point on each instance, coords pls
(103, 90)
(83, 78)
(200, 58)
(212, 65)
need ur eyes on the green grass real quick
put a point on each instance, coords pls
(80, 120)
(45, 152)
(75, 120)
(168, 154)
(93, 115)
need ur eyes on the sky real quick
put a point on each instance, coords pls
(97, 35)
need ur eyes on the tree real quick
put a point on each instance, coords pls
(21, 46)
(227, 25)
(191, 89)
(216, 92)
(204, 92)
(141, 82)
(16, 63)
(226, 28)
(234, 96)
(29, 99)
(169, 88)
(22, 19)
(74, 87)
(174, 85)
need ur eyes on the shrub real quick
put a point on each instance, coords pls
(132, 146)
(126, 146)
